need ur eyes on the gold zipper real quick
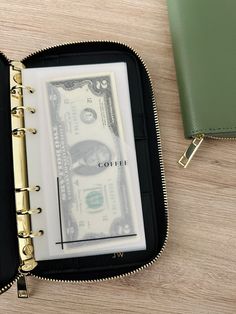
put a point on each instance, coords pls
(191, 151)
(22, 290)
(194, 146)
(8, 286)
(220, 138)
(156, 120)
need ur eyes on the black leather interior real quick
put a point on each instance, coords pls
(155, 220)
(9, 260)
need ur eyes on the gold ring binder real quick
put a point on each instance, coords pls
(35, 188)
(23, 211)
(20, 86)
(31, 211)
(18, 111)
(25, 235)
(21, 131)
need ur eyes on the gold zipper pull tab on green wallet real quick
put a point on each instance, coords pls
(191, 151)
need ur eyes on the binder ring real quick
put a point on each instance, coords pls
(21, 131)
(20, 86)
(29, 211)
(35, 188)
(25, 235)
(16, 109)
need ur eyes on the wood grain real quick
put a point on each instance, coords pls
(196, 273)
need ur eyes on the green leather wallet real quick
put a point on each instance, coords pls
(203, 35)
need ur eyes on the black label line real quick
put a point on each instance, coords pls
(59, 208)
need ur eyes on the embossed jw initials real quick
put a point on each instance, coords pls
(118, 255)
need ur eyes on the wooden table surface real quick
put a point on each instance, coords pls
(197, 271)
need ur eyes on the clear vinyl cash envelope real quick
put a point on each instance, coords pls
(89, 186)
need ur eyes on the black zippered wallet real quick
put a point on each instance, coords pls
(82, 184)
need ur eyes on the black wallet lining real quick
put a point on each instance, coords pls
(9, 256)
(98, 266)
(155, 220)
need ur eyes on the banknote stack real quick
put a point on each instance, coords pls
(94, 206)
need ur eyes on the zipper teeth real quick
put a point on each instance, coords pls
(156, 120)
(8, 286)
(220, 138)
(212, 137)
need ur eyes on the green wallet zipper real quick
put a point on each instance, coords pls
(191, 150)
(187, 156)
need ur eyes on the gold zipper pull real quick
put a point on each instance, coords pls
(22, 290)
(190, 152)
